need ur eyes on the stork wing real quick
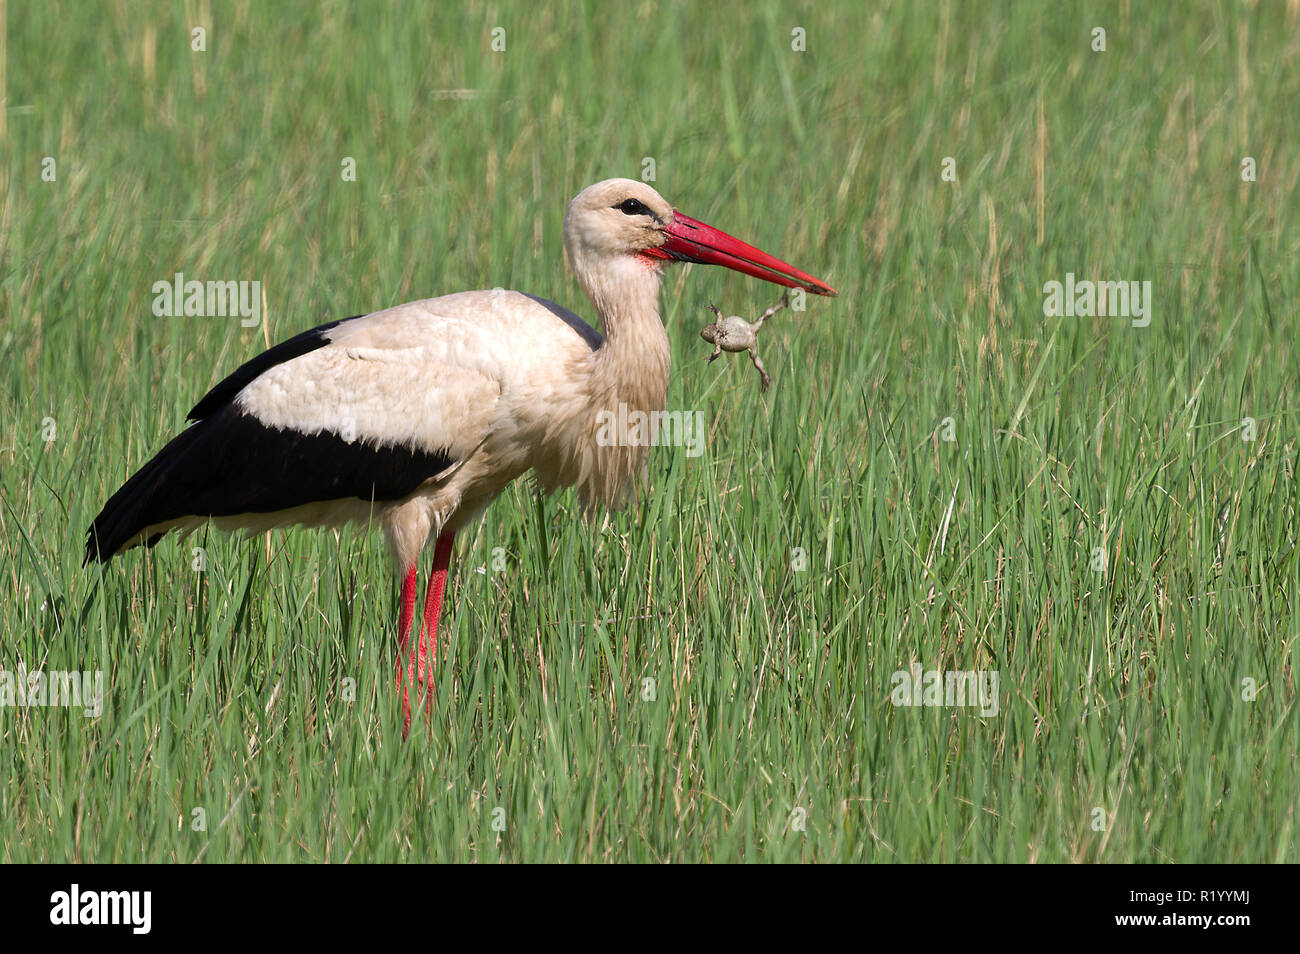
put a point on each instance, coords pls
(366, 408)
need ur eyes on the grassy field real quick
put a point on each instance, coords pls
(1102, 513)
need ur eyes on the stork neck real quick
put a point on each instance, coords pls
(632, 364)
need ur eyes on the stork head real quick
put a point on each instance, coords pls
(621, 221)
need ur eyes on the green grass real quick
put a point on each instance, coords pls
(261, 690)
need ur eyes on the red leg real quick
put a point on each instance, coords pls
(403, 636)
(433, 595)
(416, 667)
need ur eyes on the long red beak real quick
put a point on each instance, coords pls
(690, 240)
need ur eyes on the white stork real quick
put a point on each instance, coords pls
(417, 416)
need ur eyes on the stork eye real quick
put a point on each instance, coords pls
(633, 207)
